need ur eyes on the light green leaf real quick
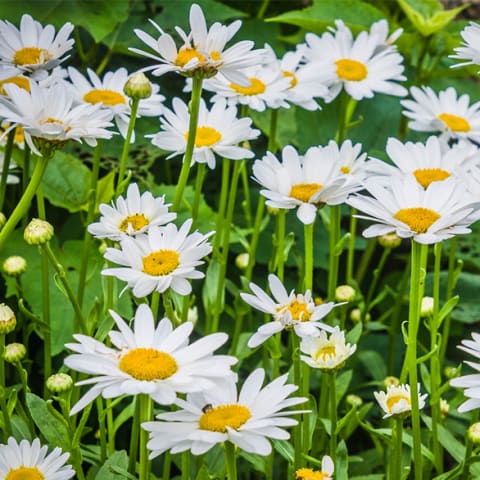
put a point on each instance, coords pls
(112, 468)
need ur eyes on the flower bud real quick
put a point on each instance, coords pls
(354, 400)
(389, 240)
(242, 261)
(391, 381)
(473, 433)
(345, 293)
(356, 316)
(14, 266)
(138, 86)
(14, 352)
(444, 408)
(8, 322)
(38, 232)
(450, 372)
(102, 248)
(192, 316)
(59, 382)
(426, 308)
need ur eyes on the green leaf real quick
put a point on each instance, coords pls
(112, 468)
(53, 427)
(203, 474)
(374, 363)
(285, 449)
(341, 463)
(343, 382)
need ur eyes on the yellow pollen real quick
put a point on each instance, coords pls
(298, 310)
(24, 473)
(52, 120)
(309, 474)
(454, 122)
(215, 56)
(217, 419)
(351, 70)
(107, 97)
(137, 222)
(161, 262)
(22, 82)
(325, 352)
(425, 176)
(419, 219)
(205, 136)
(391, 401)
(304, 191)
(256, 87)
(345, 169)
(31, 56)
(148, 364)
(19, 135)
(186, 54)
(292, 76)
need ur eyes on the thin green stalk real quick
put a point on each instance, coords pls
(25, 201)
(396, 465)
(351, 248)
(194, 106)
(255, 237)
(347, 108)
(333, 257)
(280, 257)
(186, 465)
(7, 426)
(25, 179)
(222, 206)
(154, 304)
(247, 202)
(146, 414)
(262, 9)
(201, 170)
(297, 380)
(333, 415)
(167, 463)
(272, 137)
(376, 275)
(323, 400)
(365, 259)
(308, 250)
(110, 426)
(134, 438)
(6, 166)
(102, 429)
(167, 305)
(230, 461)
(126, 145)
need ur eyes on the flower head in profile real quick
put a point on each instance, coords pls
(362, 66)
(48, 116)
(27, 460)
(397, 401)
(131, 215)
(218, 132)
(165, 257)
(303, 182)
(471, 383)
(326, 473)
(288, 310)
(247, 419)
(428, 215)
(108, 92)
(326, 353)
(450, 115)
(33, 47)
(157, 361)
(203, 52)
(470, 49)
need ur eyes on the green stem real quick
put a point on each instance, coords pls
(230, 460)
(126, 145)
(347, 108)
(25, 179)
(7, 426)
(146, 414)
(247, 202)
(297, 380)
(396, 465)
(376, 275)
(333, 415)
(201, 169)
(333, 257)
(26, 200)
(102, 429)
(365, 259)
(167, 463)
(194, 107)
(224, 188)
(6, 166)
(186, 465)
(255, 238)
(262, 9)
(280, 256)
(134, 438)
(154, 304)
(351, 248)
(272, 137)
(308, 245)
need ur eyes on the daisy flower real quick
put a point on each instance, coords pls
(203, 52)
(49, 114)
(469, 50)
(471, 383)
(27, 460)
(33, 47)
(218, 132)
(214, 416)
(303, 182)
(288, 311)
(452, 117)
(397, 401)
(163, 258)
(357, 65)
(109, 93)
(157, 361)
(428, 215)
(326, 473)
(132, 215)
(326, 353)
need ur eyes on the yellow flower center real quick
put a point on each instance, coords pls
(309, 474)
(161, 262)
(256, 87)
(137, 222)
(30, 56)
(24, 473)
(425, 176)
(206, 136)
(217, 419)
(304, 191)
(298, 310)
(107, 97)
(215, 56)
(148, 364)
(394, 399)
(22, 82)
(325, 352)
(186, 54)
(419, 219)
(292, 76)
(345, 169)
(19, 135)
(454, 122)
(53, 120)
(351, 70)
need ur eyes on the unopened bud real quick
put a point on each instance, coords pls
(38, 232)
(357, 316)
(14, 352)
(138, 86)
(389, 240)
(450, 372)
(8, 322)
(444, 408)
(242, 261)
(103, 248)
(192, 316)
(426, 308)
(14, 266)
(391, 381)
(354, 400)
(473, 433)
(59, 382)
(345, 293)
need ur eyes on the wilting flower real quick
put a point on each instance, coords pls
(218, 415)
(27, 460)
(157, 361)
(288, 311)
(131, 215)
(397, 401)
